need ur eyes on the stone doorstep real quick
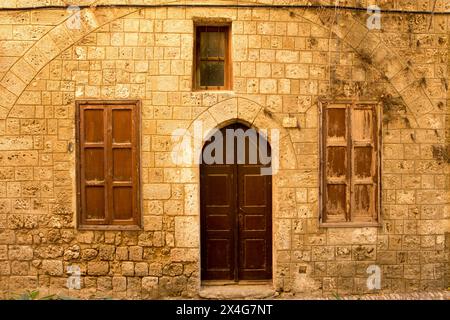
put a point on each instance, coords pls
(240, 290)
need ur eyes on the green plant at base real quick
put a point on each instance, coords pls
(34, 295)
(337, 296)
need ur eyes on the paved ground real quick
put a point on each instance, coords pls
(267, 292)
(436, 295)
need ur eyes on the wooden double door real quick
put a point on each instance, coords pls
(236, 214)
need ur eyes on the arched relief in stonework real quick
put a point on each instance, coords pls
(247, 112)
(366, 43)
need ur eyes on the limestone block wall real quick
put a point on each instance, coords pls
(284, 61)
(447, 135)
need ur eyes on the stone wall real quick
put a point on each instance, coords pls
(447, 135)
(403, 5)
(447, 248)
(284, 60)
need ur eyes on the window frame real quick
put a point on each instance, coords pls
(322, 167)
(137, 214)
(228, 74)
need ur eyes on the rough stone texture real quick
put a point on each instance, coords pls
(433, 295)
(447, 270)
(283, 61)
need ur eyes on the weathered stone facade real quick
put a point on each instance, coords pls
(284, 60)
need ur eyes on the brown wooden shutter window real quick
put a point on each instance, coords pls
(108, 164)
(350, 164)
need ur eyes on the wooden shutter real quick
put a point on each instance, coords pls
(336, 170)
(350, 165)
(108, 163)
(365, 164)
(93, 178)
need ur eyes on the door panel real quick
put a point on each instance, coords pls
(236, 219)
(253, 258)
(218, 220)
(255, 234)
(219, 264)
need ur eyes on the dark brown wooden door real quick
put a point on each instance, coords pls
(236, 216)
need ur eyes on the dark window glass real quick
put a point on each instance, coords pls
(212, 74)
(212, 57)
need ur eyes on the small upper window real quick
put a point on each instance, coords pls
(212, 58)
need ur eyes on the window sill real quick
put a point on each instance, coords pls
(109, 228)
(216, 91)
(350, 225)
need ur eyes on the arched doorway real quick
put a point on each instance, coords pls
(236, 207)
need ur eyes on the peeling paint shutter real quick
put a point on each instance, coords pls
(364, 163)
(336, 178)
(350, 163)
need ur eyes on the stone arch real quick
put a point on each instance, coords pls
(47, 48)
(249, 112)
(366, 43)
(370, 46)
(239, 110)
